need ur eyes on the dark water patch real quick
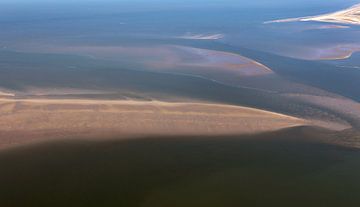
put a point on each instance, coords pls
(286, 168)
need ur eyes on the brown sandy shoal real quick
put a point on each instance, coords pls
(27, 120)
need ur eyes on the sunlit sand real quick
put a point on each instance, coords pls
(347, 16)
(23, 120)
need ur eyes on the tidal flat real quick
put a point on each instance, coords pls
(179, 103)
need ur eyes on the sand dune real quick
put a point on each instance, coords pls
(24, 120)
(347, 16)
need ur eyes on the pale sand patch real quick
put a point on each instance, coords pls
(347, 16)
(167, 58)
(217, 66)
(202, 36)
(326, 26)
(23, 120)
(334, 52)
(338, 52)
(333, 26)
(6, 94)
(239, 65)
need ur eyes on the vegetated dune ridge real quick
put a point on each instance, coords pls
(24, 120)
(347, 16)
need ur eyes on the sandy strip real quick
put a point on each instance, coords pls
(143, 103)
(26, 120)
(223, 60)
(6, 94)
(202, 36)
(347, 16)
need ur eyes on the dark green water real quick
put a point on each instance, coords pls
(286, 168)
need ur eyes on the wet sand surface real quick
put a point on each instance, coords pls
(167, 58)
(336, 52)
